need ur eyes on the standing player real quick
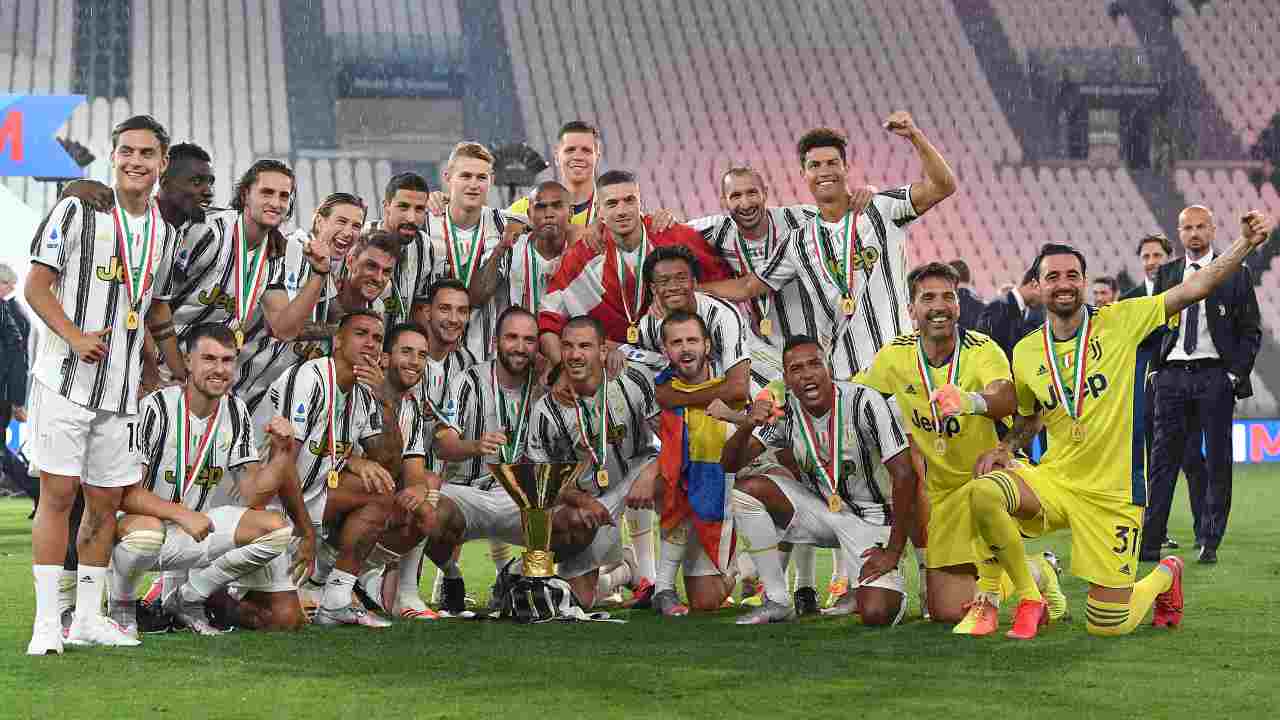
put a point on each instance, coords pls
(94, 279)
(855, 488)
(606, 427)
(200, 470)
(577, 155)
(1092, 480)
(404, 214)
(932, 372)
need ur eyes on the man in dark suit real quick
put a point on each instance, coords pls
(1006, 319)
(1203, 366)
(970, 304)
(1154, 250)
(14, 330)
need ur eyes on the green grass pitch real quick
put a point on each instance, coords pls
(1223, 662)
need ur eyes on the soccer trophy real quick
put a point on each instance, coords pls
(535, 487)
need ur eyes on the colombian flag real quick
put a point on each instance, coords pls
(696, 486)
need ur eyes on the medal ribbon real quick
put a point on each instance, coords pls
(598, 455)
(849, 251)
(762, 303)
(622, 276)
(953, 372)
(135, 275)
(184, 474)
(532, 277)
(462, 268)
(835, 426)
(248, 288)
(1075, 407)
(510, 452)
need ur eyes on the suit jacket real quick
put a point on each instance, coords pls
(1235, 325)
(15, 328)
(970, 309)
(1002, 320)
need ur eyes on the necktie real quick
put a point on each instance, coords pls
(1191, 330)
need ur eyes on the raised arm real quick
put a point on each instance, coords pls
(939, 181)
(485, 282)
(1255, 228)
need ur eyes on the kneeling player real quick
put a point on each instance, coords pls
(855, 491)
(198, 441)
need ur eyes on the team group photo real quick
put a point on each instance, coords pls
(680, 359)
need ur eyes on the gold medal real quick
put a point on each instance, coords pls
(940, 445)
(1077, 432)
(333, 479)
(633, 334)
(239, 339)
(131, 320)
(834, 504)
(602, 478)
(848, 305)
(766, 327)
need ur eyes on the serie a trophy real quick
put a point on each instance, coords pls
(535, 487)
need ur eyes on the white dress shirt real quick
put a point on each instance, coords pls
(1205, 349)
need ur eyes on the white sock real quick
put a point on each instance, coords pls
(499, 553)
(235, 564)
(674, 546)
(66, 589)
(170, 581)
(133, 555)
(608, 582)
(806, 557)
(641, 524)
(337, 590)
(89, 591)
(326, 559)
(437, 585)
(838, 569)
(47, 601)
(410, 563)
(761, 536)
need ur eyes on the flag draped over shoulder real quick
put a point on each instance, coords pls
(695, 484)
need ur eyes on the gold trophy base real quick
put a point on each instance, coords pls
(539, 563)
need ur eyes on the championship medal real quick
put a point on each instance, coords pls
(1073, 405)
(926, 379)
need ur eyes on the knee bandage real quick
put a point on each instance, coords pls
(144, 542)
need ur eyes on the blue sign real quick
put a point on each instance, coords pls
(28, 147)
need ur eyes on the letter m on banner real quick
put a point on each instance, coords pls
(28, 147)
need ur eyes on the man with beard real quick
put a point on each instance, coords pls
(955, 383)
(531, 259)
(493, 402)
(854, 488)
(201, 468)
(332, 406)
(1077, 376)
(404, 214)
(605, 425)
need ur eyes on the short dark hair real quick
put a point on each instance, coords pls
(1108, 281)
(446, 284)
(378, 239)
(822, 137)
(141, 122)
(184, 153)
(1051, 249)
(577, 126)
(546, 185)
(679, 316)
(946, 271)
(1032, 275)
(217, 332)
(962, 271)
(795, 341)
(670, 252)
(393, 335)
(405, 181)
(333, 200)
(359, 312)
(251, 175)
(615, 177)
(1156, 238)
(743, 171)
(510, 312)
(587, 321)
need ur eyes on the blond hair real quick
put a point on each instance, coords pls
(470, 149)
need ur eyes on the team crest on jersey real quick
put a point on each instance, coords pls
(309, 350)
(1042, 371)
(910, 389)
(617, 433)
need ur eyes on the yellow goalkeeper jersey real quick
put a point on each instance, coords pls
(579, 217)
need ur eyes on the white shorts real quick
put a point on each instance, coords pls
(489, 514)
(813, 524)
(606, 547)
(183, 552)
(99, 447)
(274, 576)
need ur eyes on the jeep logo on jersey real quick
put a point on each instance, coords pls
(320, 448)
(114, 272)
(1095, 385)
(208, 477)
(216, 297)
(926, 424)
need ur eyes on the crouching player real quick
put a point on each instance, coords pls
(855, 485)
(201, 457)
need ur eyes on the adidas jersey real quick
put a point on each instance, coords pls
(895, 371)
(527, 275)
(728, 337)
(302, 396)
(80, 245)
(557, 435)
(413, 428)
(476, 395)
(580, 213)
(432, 392)
(1109, 460)
(479, 334)
(879, 280)
(411, 278)
(790, 310)
(873, 434)
(234, 448)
